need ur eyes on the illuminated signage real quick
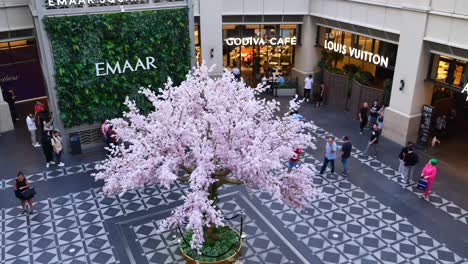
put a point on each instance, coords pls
(250, 41)
(87, 2)
(465, 90)
(106, 68)
(357, 53)
(353, 52)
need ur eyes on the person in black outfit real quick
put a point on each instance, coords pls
(11, 99)
(401, 157)
(345, 154)
(363, 116)
(374, 113)
(47, 148)
(44, 115)
(410, 160)
(374, 140)
(21, 184)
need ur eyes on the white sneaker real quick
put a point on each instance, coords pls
(61, 164)
(47, 165)
(52, 162)
(37, 145)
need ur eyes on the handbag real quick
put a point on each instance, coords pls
(422, 184)
(28, 193)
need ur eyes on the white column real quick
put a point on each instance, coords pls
(306, 55)
(211, 33)
(402, 118)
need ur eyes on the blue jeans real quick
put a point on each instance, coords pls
(292, 164)
(344, 161)
(325, 163)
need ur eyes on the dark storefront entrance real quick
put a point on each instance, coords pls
(450, 76)
(20, 70)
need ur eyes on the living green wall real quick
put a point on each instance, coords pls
(79, 42)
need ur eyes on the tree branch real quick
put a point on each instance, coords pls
(231, 181)
(183, 179)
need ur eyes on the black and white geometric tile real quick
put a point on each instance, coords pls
(52, 173)
(435, 199)
(349, 226)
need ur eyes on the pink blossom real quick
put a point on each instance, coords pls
(205, 126)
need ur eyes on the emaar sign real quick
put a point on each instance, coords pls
(106, 68)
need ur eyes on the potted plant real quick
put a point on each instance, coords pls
(217, 132)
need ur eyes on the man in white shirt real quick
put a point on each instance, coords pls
(32, 129)
(308, 87)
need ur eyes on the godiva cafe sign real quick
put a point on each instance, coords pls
(354, 52)
(250, 41)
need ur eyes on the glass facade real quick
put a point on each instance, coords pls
(198, 56)
(257, 58)
(453, 73)
(18, 51)
(379, 59)
(20, 69)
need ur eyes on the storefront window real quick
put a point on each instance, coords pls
(373, 57)
(17, 51)
(197, 45)
(258, 50)
(449, 71)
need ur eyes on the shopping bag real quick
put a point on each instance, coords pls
(422, 184)
(28, 193)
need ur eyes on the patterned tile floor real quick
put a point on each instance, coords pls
(435, 199)
(348, 226)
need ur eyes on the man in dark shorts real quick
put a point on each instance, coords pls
(345, 154)
(363, 117)
(374, 140)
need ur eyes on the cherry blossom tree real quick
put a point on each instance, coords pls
(217, 131)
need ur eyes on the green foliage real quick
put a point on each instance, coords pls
(78, 42)
(364, 77)
(350, 69)
(227, 242)
(387, 93)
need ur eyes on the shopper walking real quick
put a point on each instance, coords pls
(374, 113)
(57, 145)
(380, 118)
(104, 127)
(345, 154)
(363, 116)
(308, 82)
(374, 141)
(294, 160)
(32, 130)
(429, 173)
(47, 148)
(44, 116)
(401, 157)
(21, 184)
(320, 95)
(410, 160)
(330, 155)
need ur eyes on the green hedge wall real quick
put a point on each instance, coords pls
(78, 42)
